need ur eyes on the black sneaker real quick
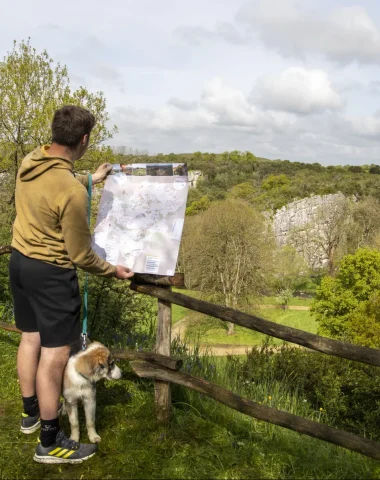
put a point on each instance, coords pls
(64, 450)
(29, 424)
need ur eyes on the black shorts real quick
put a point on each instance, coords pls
(46, 299)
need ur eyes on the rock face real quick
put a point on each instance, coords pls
(300, 213)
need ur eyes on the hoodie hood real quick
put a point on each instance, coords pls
(39, 161)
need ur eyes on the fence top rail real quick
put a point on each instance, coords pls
(325, 345)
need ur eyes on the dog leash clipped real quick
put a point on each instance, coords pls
(85, 299)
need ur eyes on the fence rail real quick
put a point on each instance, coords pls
(366, 355)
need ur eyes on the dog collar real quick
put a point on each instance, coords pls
(81, 374)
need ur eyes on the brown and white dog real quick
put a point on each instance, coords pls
(82, 372)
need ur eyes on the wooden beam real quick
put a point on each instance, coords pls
(156, 358)
(5, 249)
(177, 280)
(261, 412)
(309, 340)
(162, 390)
(9, 327)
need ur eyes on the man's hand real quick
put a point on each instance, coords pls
(123, 273)
(101, 173)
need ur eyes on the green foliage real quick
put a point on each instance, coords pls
(274, 182)
(118, 316)
(31, 89)
(198, 206)
(290, 271)
(348, 392)
(348, 294)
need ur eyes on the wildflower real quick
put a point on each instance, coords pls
(321, 409)
(269, 397)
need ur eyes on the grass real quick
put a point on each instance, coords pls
(204, 440)
(293, 301)
(213, 331)
(178, 312)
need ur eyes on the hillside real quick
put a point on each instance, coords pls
(266, 184)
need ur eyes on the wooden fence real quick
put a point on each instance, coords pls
(165, 370)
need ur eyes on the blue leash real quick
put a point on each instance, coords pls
(85, 299)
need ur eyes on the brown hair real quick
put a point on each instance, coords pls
(70, 124)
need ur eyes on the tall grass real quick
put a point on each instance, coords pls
(286, 454)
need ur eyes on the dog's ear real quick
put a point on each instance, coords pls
(84, 366)
(101, 358)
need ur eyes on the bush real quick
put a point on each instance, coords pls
(342, 300)
(348, 392)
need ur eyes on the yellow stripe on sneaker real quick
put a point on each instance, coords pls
(68, 454)
(56, 450)
(62, 453)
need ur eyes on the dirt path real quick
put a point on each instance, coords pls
(289, 307)
(221, 349)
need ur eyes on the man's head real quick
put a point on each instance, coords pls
(71, 128)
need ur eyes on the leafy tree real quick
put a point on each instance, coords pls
(245, 191)
(226, 252)
(340, 301)
(31, 89)
(290, 270)
(198, 206)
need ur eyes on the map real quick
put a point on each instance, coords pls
(141, 216)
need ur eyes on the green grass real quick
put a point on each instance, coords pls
(214, 331)
(293, 301)
(178, 312)
(204, 440)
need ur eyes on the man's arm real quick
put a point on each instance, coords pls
(76, 234)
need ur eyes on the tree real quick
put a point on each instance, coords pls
(226, 253)
(290, 272)
(31, 89)
(366, 225)
(342, 303)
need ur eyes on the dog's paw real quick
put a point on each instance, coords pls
(94, 438)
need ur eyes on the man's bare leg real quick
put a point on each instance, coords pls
(27, 362)
(49, 380)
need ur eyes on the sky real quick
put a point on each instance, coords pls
(288, 79)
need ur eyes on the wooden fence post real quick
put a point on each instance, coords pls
(162, 391)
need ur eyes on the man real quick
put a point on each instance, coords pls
(51, 238)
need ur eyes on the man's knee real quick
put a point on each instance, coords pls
(56, 357)
(32, 339)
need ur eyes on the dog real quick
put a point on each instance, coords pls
(82, 372)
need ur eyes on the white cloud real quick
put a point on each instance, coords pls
(345, 34)
(196, 35)
(297, 90)
(224, 119)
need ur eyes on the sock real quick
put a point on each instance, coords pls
(31, 406)
(49, 430)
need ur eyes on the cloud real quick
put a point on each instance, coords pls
(297, 90)
(374, 87)
(344, 35)
(182, 104)
(224, 118)
(197, 35)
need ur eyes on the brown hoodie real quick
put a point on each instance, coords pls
(51, 206)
